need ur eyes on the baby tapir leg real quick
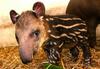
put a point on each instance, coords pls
(53, 50)
(54, 56)
(86, 53)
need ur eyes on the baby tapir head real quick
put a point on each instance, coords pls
(30, 31)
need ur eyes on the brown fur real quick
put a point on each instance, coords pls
(88, 10)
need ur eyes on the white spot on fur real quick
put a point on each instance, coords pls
(58, 54)
(55, 43)
(54, 57)
(61, 45)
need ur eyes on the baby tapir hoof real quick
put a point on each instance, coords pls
(87, 62)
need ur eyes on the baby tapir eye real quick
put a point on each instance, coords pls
(16, 37)
(35, 33)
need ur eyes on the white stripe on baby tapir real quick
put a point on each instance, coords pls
(51, 43)
(72, 34)
(58, 54)
(55, 43)
(49, 31)
(82, 30)
(83, 24)
(50, 61)
(51, 18)
(76, 32)
(53, 62)
(62, 35)
(66, 27)
(61, 45)
(50, 57)
(80, 36)
(54, 56)
(47, 19)
(53, 50)
(66, 19)
(86, 37)
(76, 19)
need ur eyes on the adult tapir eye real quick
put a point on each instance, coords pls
(35, 33)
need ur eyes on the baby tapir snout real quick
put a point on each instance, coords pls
(27, 49)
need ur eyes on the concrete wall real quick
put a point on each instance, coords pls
(7, 29)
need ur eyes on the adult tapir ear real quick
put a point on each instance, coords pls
(14, 16)
(39, 8)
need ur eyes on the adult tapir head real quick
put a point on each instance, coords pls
(30, 30)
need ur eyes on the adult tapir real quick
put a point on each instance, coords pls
(88, 10)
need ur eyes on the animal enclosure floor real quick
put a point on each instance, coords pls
(9, 59)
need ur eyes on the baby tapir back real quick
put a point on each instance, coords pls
(68, 27)
(66, 31)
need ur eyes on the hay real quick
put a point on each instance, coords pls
(9, 59)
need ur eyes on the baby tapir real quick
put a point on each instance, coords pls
(34, 29)
(66, 32)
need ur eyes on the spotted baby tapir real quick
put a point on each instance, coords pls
(34, 29)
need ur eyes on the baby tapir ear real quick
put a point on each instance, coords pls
(14, 16)
(39, 8)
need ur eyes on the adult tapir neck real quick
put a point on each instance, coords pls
(88, 10)
(84, 8)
